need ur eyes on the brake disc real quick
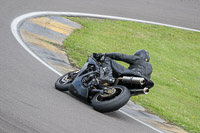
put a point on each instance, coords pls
(109, 92)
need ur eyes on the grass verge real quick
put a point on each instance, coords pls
(175, 56)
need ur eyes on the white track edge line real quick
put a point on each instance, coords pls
(74, 14)
(16, 23)
(140, 121)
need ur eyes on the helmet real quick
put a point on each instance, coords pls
(143, 54)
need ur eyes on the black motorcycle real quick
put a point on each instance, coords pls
(104, 97)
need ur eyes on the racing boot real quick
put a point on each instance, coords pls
(106, 76)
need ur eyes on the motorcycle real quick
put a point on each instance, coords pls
(104, 97)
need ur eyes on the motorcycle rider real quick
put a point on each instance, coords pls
(138, 65)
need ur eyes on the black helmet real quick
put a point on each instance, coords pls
(143, 54)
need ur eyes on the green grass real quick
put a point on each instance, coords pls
(175, 56)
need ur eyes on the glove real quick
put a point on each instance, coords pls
(98, 56)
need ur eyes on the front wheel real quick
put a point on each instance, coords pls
(64, 82)
(118, 97)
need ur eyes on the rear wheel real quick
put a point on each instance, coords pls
(117, 97)
(64, 82)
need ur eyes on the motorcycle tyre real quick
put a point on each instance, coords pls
(112, 104)
(62, 87)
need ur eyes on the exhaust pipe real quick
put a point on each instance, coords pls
(133, 80)
(135, 92)
(146, 90)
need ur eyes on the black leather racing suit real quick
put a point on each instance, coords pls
(137, 65)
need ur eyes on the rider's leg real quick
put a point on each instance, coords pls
(110, 69)
(118, 69)
(106, 73)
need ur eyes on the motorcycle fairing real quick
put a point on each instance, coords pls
(77, 86)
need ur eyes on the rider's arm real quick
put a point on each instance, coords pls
(122, 57)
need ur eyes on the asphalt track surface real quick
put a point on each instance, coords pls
(28, 100)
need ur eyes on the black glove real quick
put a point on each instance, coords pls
(98, 56)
